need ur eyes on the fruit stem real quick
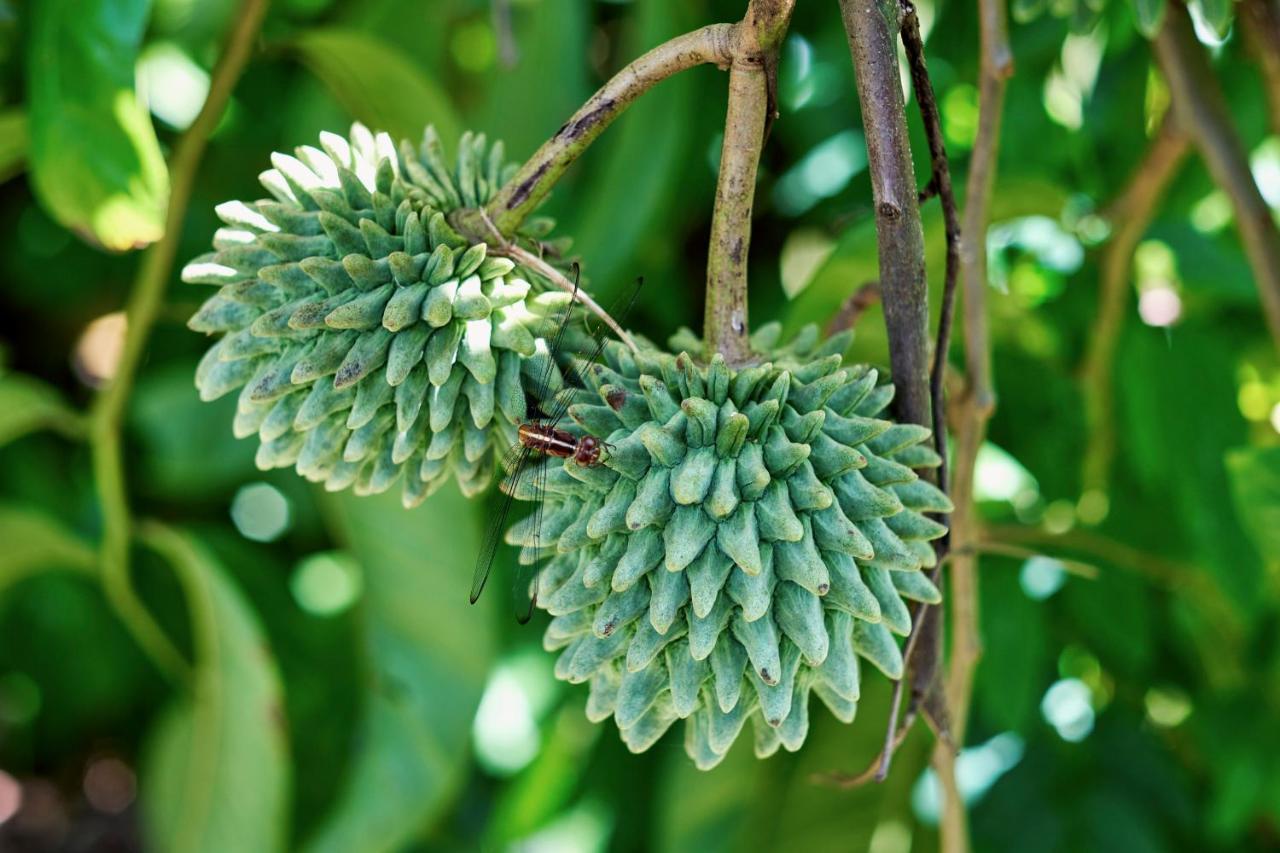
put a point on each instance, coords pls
(751, 108)
(107, 413)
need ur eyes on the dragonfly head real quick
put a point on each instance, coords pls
(589, 451)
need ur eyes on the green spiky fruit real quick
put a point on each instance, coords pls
(752, 534)
(371, 341)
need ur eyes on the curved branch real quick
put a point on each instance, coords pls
(524, 192)
(107, 414)
(1200, 107)
(1130, 215)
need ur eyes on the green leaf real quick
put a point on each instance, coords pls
(96, 165)
(1255, 484)
(14, 141)
(1218, 14)
(216, 774)
(854, 261)
(27, 405)
(709, 810)
(377, 83)
(428, 658)
(1149, 15)
(622, 207)
(34, 541)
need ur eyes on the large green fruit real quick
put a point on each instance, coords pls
(751, 535)
(372, 343)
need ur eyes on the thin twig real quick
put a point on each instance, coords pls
(107, 414)
(523, 256)
(1201, 108)
(1130, 215)
(524, 192)
(756, 41)
(853, 307)
(976, 404)
(939, 184)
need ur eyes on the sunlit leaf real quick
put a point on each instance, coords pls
(428, 656)
(27, 405)
(377, 83)
(33, 541)
(1218, 14)
(95, 162)
(217, 775)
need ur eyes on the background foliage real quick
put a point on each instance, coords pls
(346, 697)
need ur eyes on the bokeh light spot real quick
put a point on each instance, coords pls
(260, 512)
(1067, 706)
(327, 583)
(98, 352)
(10, 797)
(109, 785)
(1167, 707)
(174, 86)
(1041, 577)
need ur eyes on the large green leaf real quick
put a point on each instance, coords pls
(1255, 484)
(95, 163)
(709, 810)
(629, 201)
(217, 775)
(27, 405)
(14, 141)
(33, 541)
(428, 658)
(377, 83)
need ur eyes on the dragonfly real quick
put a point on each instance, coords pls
(542, 442)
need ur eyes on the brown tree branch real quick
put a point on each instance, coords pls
(525, 191)
(872, 30)
(1200, 107)
(754, 49)
(1130, 215)
(854, 306)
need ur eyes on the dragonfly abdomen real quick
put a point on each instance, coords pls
(556, 442)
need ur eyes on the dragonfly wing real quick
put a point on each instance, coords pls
(524, 593)
(573, 377)
(543, 389)
(514, 464)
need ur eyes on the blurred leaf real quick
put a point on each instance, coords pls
(217, 775)
(189, 449)
(27, 405)
(1016, 665)
(95, 162)
(14, 141)
(854, 261)
(377, 83)
(546, 786)
(33, 540)
(708, 810)
(1218, 14)
(631, 195)
(428, 658)
(1255, 484)
(526, 103)
(1149, 15)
